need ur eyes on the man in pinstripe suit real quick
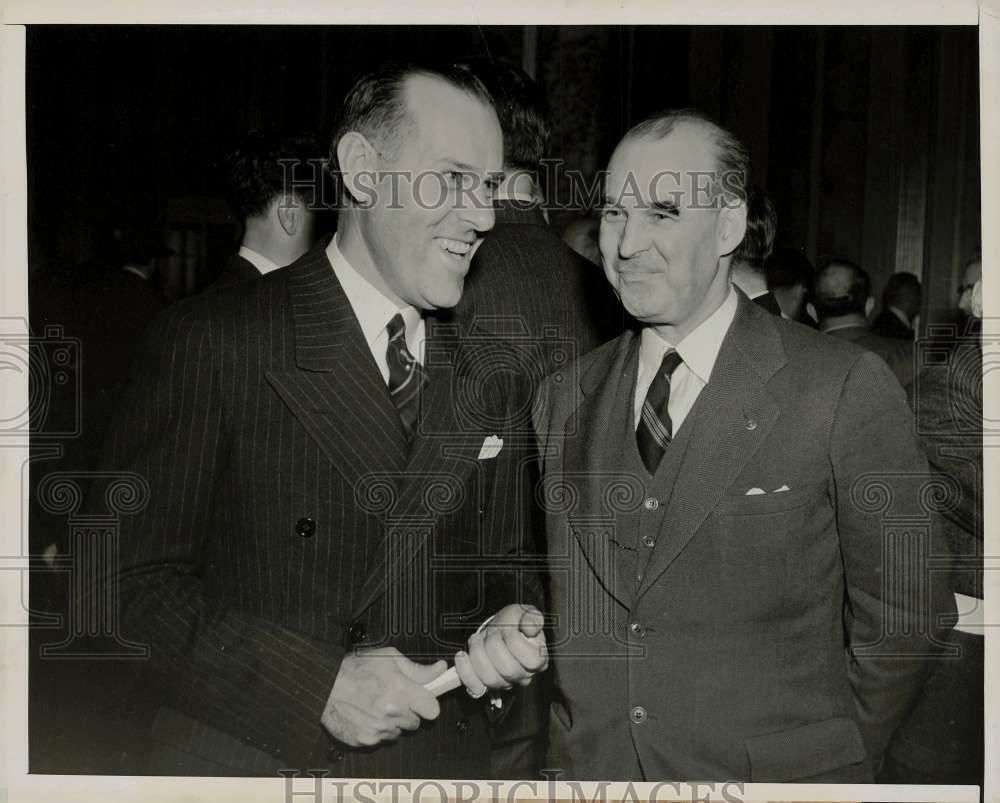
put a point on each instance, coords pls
(338, 482)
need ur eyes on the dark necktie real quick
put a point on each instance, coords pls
(655, 429)
(406, 375)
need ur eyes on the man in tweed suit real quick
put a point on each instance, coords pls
(336, 482)
(726, 604)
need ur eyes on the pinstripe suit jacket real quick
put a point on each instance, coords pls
(524, 281)
(290, 522)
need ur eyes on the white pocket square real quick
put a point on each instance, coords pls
(781, 489)
(491, 447)
(755, 492)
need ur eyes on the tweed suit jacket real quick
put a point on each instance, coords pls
(290, 523)
(752, 637)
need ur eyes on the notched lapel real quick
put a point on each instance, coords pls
(600, 497)
(731, 419)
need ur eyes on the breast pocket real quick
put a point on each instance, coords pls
(759, 543)
(743, 505)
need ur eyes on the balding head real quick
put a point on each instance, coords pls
(842, 288)
(730, 177)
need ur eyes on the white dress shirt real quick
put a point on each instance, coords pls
(373, 311)
(699, 350)
(903, 317)
(259, 261)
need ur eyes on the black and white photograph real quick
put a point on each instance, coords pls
(596, 404)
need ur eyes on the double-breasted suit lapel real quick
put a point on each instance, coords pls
(338, 394)
(443, 453)
(335, 389)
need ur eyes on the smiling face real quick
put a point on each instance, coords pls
(431, 201)
(664, 243)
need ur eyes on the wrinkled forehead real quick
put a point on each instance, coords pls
(679, 168)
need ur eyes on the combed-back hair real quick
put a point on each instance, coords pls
(732, 158)
(376, 107)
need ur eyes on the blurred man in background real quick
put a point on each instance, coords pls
(843, 300)
(941, 739)
(900, 307)
(271, 184)
(790, 277)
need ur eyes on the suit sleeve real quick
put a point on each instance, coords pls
(892, 625)
(262, 683)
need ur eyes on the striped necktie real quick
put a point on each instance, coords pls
(406, 375)
(655, 430)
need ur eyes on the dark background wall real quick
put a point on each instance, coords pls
(867, 138)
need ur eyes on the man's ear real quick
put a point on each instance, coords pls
(869, 306)
(731, 226)
(289, 211)
(358, 161)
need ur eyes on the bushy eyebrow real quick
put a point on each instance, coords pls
(460, 165)
(665, 206)
(493, 178)
(607, 200)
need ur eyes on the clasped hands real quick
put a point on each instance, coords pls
(380, 693)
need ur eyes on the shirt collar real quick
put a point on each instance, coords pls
(372, 309)
(259, 261)
(851, 324)
(901, 315)
(700, 348)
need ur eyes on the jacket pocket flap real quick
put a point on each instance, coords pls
(805, 751)
(775, 502)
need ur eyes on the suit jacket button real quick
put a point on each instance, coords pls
(637, 630)
(462, 726)
(356, 632)
(334, 754)
(305, 527)
(638, 715)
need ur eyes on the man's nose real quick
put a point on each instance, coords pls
(478, 213)
(633, 240)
